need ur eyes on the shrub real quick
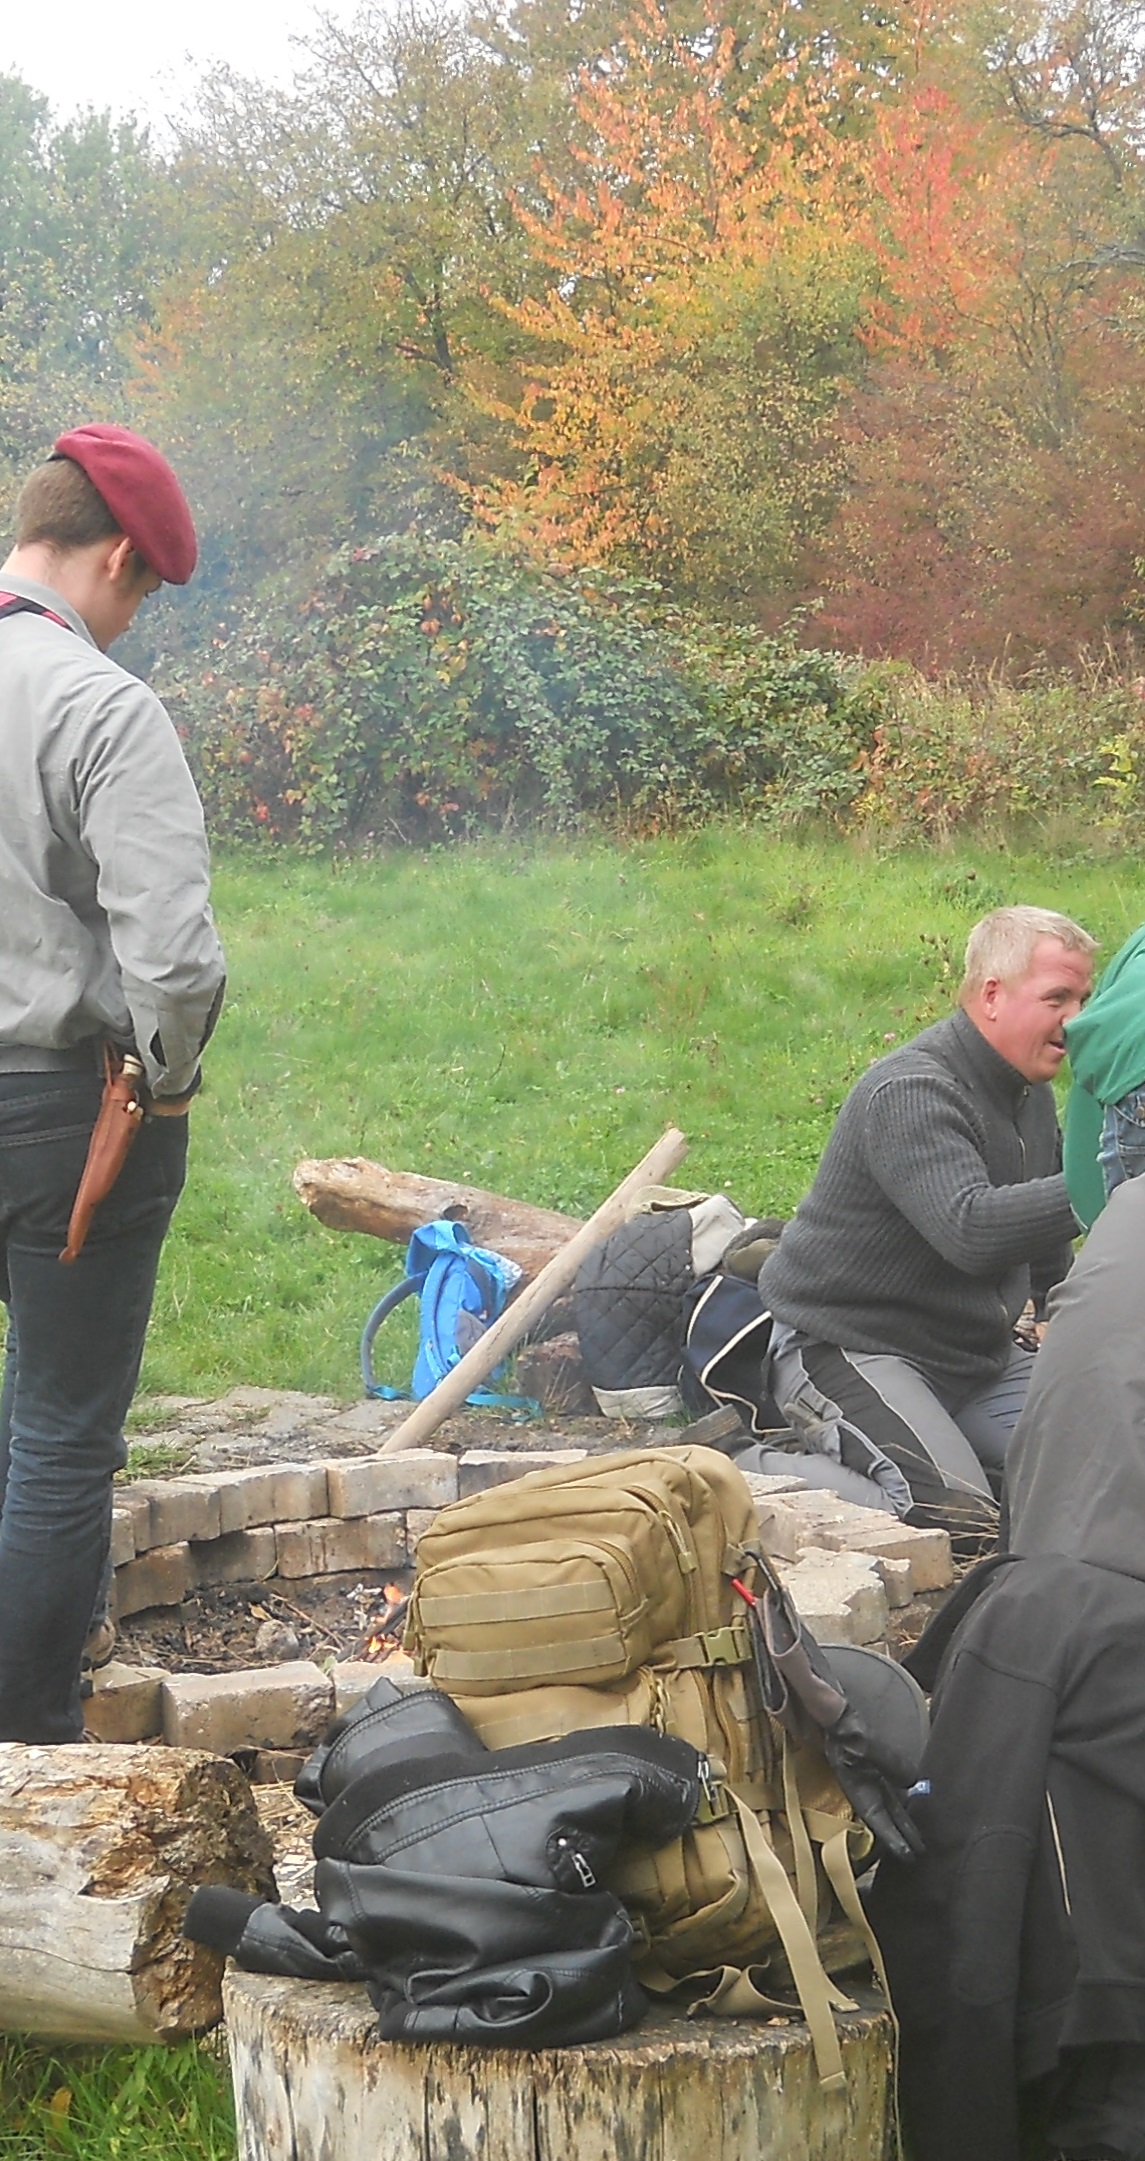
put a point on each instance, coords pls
(430, 688)
(947, 755)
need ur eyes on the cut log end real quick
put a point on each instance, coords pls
(100, 1849)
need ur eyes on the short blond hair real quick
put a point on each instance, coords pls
(1002, 944)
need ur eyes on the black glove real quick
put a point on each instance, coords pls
(875, 1801)
(805, 1695)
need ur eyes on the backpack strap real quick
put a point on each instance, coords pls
(385, 1306)
(15, 604)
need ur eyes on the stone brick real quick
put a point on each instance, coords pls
(263, 1707)
(481, 1468)
(885, 1537)
(122, 1537)
(125, 1703)
(780, 1533)
(179, 1509)
(765, 1483)
(896, 1580)
(237, 1557)
(333, 1545)
(370, 1485)
(270, 1493)
(162, 1577)
(132, 1500)
(816, 1505)
(839, 1595)
(353, 1678)
(418, 1521)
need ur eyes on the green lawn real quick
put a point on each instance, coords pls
(529, 1020)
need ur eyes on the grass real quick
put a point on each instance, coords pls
(527, 1019)
(115, 2104)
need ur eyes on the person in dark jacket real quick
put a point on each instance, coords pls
(1016, 1945)
(939, 1207)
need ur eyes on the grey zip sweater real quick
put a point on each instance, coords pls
(938, 1206)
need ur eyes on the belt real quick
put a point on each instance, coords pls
(83, 1057)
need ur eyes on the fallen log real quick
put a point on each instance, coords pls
(313, 2083)
(100, 1849)
(535, 1300)
(349, 1193)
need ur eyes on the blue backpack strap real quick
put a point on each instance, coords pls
(385, 1306)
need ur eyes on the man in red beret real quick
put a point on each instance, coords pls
(106, 936)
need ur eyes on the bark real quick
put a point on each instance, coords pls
(313, 2083)
(100, 1849)
(352, 1194)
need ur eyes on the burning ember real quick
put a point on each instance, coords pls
(385, 1628)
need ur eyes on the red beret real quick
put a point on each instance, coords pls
(142, 494)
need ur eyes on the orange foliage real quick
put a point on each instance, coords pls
(676, 189)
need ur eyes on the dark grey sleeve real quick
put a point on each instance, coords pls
(923, 1151)
(142, 823)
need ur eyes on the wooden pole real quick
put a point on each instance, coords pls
(527, 1308)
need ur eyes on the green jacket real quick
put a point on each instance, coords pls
(1107, 1059)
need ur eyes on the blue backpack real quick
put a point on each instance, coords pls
(462, 1288)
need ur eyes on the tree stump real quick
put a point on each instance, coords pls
(313, 2083)
(100, 1849)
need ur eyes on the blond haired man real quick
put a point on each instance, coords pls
(938, 1209)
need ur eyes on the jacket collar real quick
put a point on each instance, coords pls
(995, 1073)
(45, 596)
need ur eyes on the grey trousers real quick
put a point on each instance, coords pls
(952, 1463)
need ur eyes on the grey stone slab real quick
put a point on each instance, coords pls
(333, 1545)
(368, 1485)
(481, 1468)
(262, 1707)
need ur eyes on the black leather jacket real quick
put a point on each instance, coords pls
(463, 1884)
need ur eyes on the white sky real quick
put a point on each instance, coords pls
(146, 58)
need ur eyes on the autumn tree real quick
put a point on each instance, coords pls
(700, 308)
(994, 441)
(87, 238)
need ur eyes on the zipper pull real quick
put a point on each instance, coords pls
(580, 1866)
(687, 1559)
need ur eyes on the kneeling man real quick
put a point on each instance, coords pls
(938, 1210)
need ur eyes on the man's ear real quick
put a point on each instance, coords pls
(988, 997)
(120, 560)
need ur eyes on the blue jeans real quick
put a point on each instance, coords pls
(1121, 1151)
(75, 1342)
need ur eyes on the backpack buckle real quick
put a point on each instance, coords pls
(726, 1646)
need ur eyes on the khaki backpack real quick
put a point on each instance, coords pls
(605, 1594)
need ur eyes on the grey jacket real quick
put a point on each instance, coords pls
(1075, 1469)
(938, 1189)
(105, 924)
